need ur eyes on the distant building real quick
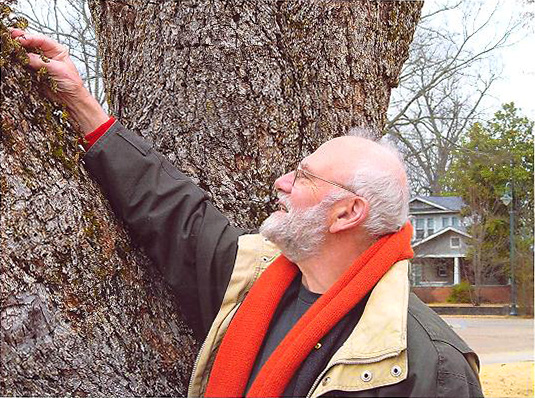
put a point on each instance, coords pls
(439, 240)
(440, 243)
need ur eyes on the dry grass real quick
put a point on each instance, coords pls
(507, 379)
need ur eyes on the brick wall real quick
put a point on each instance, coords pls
(495, 294)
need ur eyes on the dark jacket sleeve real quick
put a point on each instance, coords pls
(438, 364)
(187, 238)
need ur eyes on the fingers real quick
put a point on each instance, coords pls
(49, 47)
(16, 32)
(36, 62)
(55, 68)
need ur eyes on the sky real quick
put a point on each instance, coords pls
(516, 61)
(518, 78)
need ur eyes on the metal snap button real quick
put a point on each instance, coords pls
(265, 259)
(317, 346)
(395, 371)
(366, 376)
(326, 381)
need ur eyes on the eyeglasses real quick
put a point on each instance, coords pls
(300, 173)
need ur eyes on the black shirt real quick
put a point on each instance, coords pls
(295, 302)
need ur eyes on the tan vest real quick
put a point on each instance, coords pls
(373, 356)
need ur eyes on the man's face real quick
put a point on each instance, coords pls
(300, 226)
(298, 232)
(306, 191)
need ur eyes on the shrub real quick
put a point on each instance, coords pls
(461, 293)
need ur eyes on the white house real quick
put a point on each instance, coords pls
(439, 240)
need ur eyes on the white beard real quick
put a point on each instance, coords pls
(299, 234)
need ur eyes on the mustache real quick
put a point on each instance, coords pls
(284, 200)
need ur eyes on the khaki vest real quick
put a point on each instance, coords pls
(373, 356)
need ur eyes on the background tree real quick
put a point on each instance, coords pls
(443, 86)
(232, 94)
(495, 154)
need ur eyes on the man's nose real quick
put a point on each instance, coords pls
(284, 183)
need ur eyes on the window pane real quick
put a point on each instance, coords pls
(442, 271)
(445, 222)
(454, 221)
(430, 226)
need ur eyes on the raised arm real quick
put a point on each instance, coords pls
(188, 239)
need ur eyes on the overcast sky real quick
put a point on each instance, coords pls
(517, 61)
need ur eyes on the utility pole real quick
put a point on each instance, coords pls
(508, 199)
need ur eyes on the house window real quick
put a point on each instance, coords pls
(445, 222)
(454, 222)
(419, 228)
(455, 241)
(430, 226)
(442, 270)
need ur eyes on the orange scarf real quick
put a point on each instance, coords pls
(243, 339)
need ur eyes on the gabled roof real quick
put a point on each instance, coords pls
(441, 232)
(453, 203)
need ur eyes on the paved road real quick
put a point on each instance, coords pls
(496, 339)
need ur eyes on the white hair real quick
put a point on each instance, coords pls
(363, 132)
(385, 190)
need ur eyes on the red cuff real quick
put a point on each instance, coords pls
(93, 136)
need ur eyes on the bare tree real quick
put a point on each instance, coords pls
(69, 22)
(442, 87)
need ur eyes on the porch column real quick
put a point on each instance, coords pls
(456, 271)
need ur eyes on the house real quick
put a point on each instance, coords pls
(439, 240)
(440, 243)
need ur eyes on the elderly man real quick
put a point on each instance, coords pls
(319, 303)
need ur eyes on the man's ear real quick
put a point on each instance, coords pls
(348, 214)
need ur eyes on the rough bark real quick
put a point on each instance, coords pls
(232, 93)
(81, 312)
(236, 92)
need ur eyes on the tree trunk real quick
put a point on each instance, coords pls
(233, 95)
(81, 311)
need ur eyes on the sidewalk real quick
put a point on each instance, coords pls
(469, 309)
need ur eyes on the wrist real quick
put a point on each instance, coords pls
(87, 113)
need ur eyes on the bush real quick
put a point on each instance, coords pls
(461, 293)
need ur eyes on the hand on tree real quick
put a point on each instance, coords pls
(83, 108)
